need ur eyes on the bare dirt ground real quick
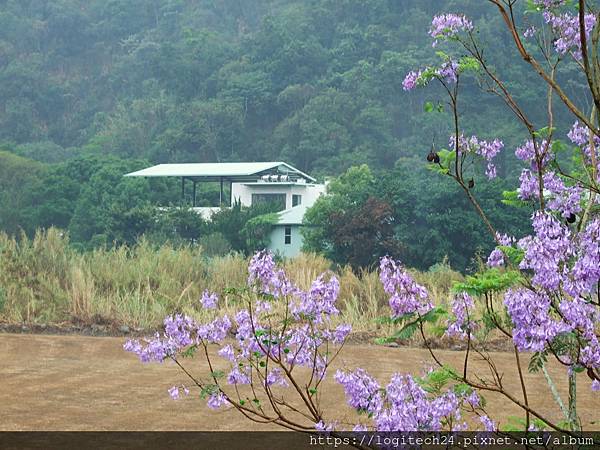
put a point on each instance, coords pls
(73, 382)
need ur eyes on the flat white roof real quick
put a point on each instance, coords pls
(216, 170)
(292, 216)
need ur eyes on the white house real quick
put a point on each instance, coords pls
(250, 183)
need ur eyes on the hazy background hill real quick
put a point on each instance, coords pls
(313, 82)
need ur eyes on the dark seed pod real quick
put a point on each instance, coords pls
(572, 218)
(471, 183)
(436, 158)
(431, 156)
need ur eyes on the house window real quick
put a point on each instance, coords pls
(296, 200)
(288, 235)
(275, 199)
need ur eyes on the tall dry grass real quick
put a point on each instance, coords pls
(44, 280)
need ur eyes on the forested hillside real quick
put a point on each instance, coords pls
(316, 83)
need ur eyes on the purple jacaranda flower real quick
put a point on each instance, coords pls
(487, 149)
(496, 258)
(155, 350)
(322, 426)
(462, 304)
(174, 393)
(582, 316)
(406, 296)
(529, 32)
(579, 134)
(529, 186)
(547, 250)
(490, 149)
(341, 333)
(238, 376)
(473, 399)
(549, 4)
(449, 71)
(533, 323)
(411, 80)
(490, 171)
(585, 273)
(566, 28)
(590, 353)
(209, 299)
(265, 277)
(488, 424)
(408, 407)
(215, 401)
(527, 152)
(276, 377)
(596, 386)
(447, 26)
(179, 330)
(214, 331)
(227, 352)
(319, 302)
(362, 390)
(132, 345)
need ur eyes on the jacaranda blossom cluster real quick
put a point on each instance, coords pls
(258, 349)
(565, 270)
(406, 296)
(403, 404)
(487, 149)
(448, 25)
(463, 325)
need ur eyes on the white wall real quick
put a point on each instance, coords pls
(309, 192)
(278, 245)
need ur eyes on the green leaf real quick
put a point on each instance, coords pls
(537, 361)
(462, 389)
(490, 280)
(406, 332)
(511, 198)
(488, 318)
(428, 107)
(544, 132)
(312, 391)
(434, 315)
(209, 389)
(437, 379)
(515, 255)
(468, 64)
(395, 320)
(189, 352)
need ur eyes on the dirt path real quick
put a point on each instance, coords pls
(89, 383)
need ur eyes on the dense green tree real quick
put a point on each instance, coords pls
(346, 194)
(17, 177)
(431, 219)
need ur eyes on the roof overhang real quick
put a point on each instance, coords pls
(239, 172)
